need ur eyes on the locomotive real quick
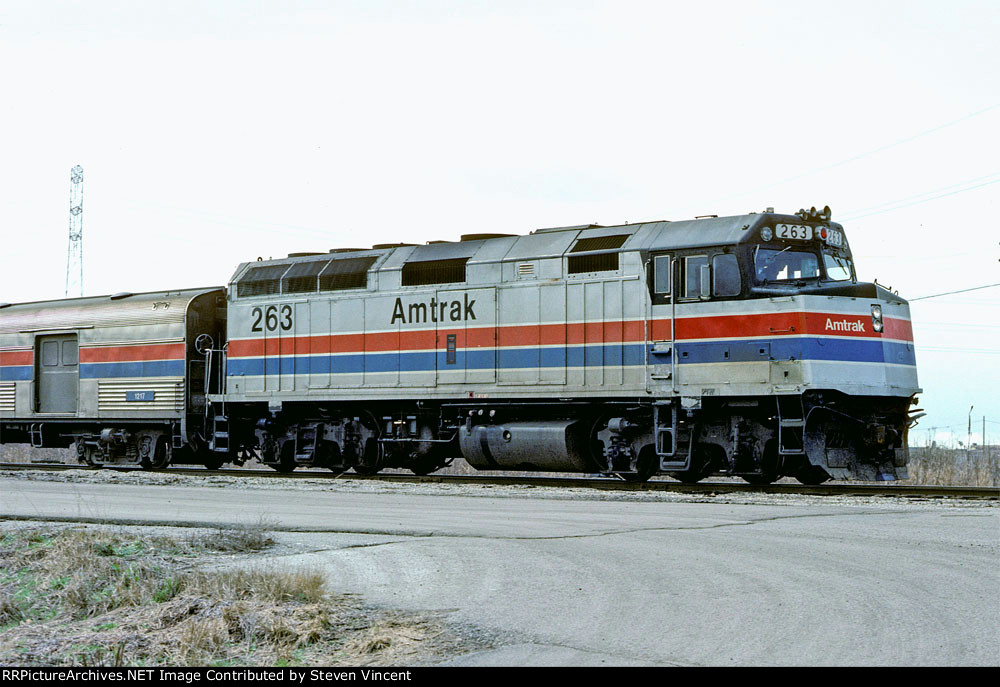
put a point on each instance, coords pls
(741, 346)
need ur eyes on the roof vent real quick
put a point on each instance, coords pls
(450, 271)
(261, 281)
(578, 227)
(594, 262)
(347, 273)
(303, 255)
(120, 295)
(382, 246)
(600, 243)
(346, 250)
(484, 237)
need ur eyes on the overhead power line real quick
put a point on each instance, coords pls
(867, 153)
(849, 216)
(949, 293)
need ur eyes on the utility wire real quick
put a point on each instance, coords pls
(865, 154)
(925, 200)
(857, 212)
(948, 293)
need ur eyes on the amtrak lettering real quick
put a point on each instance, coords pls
(437, 310)
(844, 326)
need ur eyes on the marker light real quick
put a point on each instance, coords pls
(822, 232)
(766, 234)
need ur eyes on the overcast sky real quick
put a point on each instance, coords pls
(215, 132)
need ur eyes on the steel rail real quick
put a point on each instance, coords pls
(602, 483)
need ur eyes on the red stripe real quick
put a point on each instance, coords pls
(898, 329)
(16, 357)
(124, 354)
(578, 333)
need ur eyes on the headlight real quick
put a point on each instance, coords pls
(877, 318)
(766, 234)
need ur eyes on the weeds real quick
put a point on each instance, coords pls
(955, 467)
(98, 597)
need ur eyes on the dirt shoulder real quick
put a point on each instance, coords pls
(110, 595)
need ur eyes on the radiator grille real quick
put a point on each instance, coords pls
(168, 394)
(599, 262)
(7, 390)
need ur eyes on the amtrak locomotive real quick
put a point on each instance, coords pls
(723, 345)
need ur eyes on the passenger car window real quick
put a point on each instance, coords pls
(69, 352)
(50, 353)
(725, 275)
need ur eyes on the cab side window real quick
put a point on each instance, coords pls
(725, 275)
(692, 275)
(661, 274)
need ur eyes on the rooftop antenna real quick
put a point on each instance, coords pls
(74, 254)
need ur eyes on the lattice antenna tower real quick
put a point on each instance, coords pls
(74, 254)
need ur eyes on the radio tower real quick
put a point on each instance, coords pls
(74, 255)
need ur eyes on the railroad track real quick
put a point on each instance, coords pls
(604, 483)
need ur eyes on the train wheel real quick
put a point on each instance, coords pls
(213, 463)
(422, 469)
(701, 465)
(770, 466)
(646, 465)
(286, 463)
(812, 475)
(371, 459)
(157, 455)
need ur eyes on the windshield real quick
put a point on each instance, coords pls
(779, 265)
(838, 268)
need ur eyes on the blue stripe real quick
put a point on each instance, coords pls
(839, 350)
(613, 355)
(142, 368)
(15, 373)
(465, 359)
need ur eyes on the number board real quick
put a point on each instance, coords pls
(794, 232)
(140, 395)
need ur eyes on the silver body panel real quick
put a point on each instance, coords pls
(132, 356)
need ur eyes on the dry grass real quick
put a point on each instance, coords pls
(86, 596)
(955, 467)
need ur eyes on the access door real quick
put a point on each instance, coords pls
(466, 336)
(58, 369)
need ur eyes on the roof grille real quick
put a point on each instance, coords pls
(301, 277)
(600, 243)
(602, 262)
(349, 273)
(261, 281)
(450, 271)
